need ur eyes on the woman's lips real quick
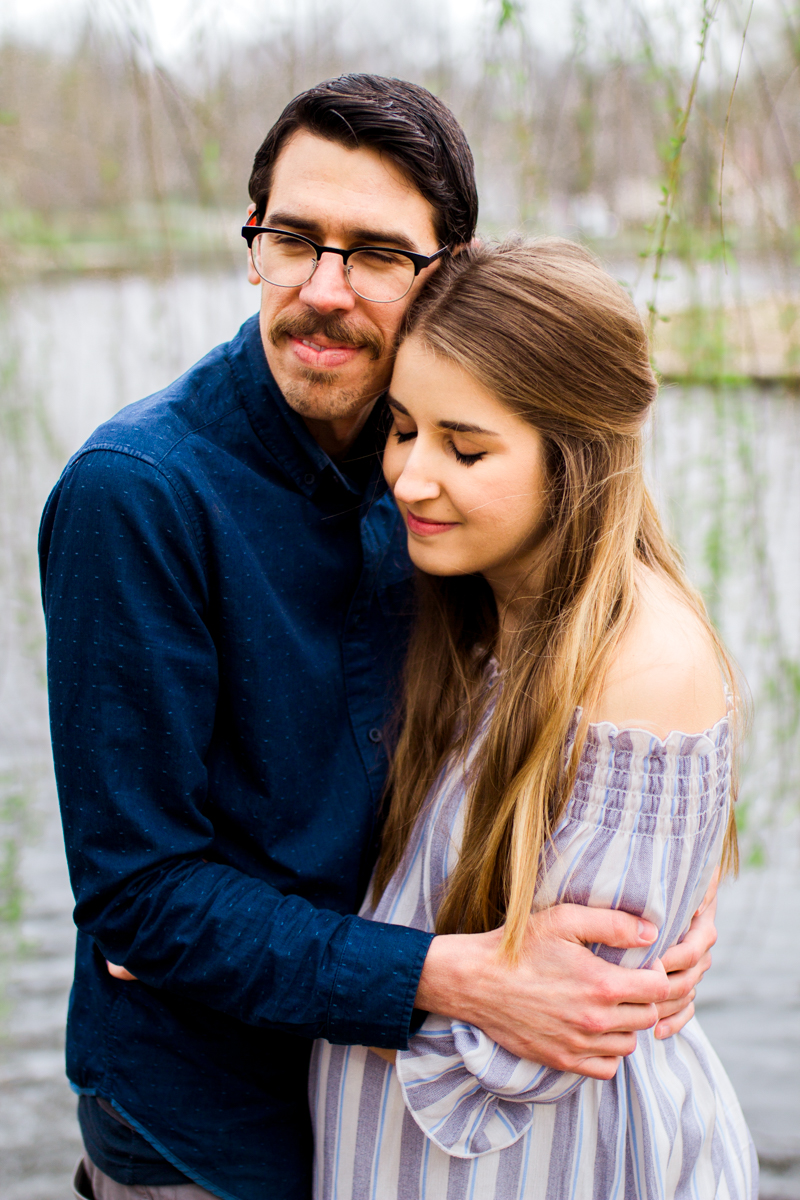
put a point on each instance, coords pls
(426, 528)
(314, 354)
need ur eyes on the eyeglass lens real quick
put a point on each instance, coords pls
(373, 274)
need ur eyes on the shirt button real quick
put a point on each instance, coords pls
(375, 735)
(309, 479)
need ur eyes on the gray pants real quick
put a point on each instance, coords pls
(89, 1183)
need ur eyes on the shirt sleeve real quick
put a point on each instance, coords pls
(133, 685)
(642, 832)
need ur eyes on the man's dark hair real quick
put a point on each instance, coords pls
(401, 120)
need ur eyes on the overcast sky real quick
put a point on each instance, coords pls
(172, 25)
(174, 22)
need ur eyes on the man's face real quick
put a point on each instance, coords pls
(330, 351)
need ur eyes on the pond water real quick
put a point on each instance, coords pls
(725, 465)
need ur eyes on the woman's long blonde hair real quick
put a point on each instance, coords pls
(547, 331)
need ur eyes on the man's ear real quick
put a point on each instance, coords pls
(252, 274)
(476, 241)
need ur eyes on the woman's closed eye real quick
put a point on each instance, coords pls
(468, 460)
(404, 436)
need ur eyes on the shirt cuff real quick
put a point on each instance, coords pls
(372, 1000)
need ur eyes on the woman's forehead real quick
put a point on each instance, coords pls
(430, 386)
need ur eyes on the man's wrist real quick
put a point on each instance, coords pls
(377, 977)
(457, 966)
(430, 990)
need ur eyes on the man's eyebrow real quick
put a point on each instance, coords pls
(282, 219)
(358, 236)
(383, 237)
(455, 426)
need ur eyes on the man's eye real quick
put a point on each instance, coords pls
(405, 437)
(381, 258)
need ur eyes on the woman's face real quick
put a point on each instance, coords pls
(467, 474)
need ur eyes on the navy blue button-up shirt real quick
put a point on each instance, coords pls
(227, 612)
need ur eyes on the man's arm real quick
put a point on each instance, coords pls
(134, 692)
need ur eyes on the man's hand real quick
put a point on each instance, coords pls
(561, 1005)
(686, 965)
(118, 972)
(389, 1056)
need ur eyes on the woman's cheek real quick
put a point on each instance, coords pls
(491, 506)
(391, 468)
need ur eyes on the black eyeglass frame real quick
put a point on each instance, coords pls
(419, 261)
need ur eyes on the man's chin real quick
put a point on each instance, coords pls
(327, 395)
(314, 379)
(324, 398)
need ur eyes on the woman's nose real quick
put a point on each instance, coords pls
(415, 483)
(328, 290)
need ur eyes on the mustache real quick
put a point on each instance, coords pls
(305, 325)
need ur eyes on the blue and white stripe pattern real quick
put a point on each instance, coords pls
(460, 1117)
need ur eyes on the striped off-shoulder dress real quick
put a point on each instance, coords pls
(458, 1117)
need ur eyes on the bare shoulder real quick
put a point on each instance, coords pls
(666, 673)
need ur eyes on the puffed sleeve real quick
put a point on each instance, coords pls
(642, 832)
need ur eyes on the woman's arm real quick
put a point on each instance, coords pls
(686, 964)
(642, 833)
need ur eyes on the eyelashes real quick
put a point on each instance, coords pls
(467, 460)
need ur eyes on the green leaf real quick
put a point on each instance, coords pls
(509, 11)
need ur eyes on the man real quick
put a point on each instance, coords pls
(227, 596)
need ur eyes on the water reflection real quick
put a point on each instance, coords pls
(725, 465)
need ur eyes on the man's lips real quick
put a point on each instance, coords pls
(425, 527)
(321, 353)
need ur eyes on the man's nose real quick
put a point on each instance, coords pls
(328, 290)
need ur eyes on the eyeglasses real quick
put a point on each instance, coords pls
(377, 273)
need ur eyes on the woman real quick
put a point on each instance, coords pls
(567, 737)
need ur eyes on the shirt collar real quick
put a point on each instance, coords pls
(282, 431)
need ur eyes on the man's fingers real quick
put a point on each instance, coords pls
(686, 965)
(694, 947)
(701, 936)
(673, 1025)
(681, 986)
(607, 926)
(624, 993)
(710, 898)
(670, 1007)
(686, 960)
(681, 981)
(625, 1018)
(681, 957)
(573, 1050)
(118, 972)
(389, 1056)
(598, 1068)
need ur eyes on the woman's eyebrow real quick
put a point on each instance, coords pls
(463, 427)
(455, 426)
